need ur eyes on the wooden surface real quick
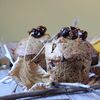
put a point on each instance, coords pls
(7, 88)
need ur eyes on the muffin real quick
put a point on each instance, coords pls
(69, 57)
(25, 71)
(29, 47)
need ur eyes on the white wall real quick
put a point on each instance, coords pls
(19, 16)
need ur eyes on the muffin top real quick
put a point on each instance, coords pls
(33, 43)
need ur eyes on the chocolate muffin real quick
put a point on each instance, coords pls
(24, 70)
(69, 59)
(29, 47)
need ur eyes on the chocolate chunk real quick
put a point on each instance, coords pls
(73, 34)
(64, 32)
(38, 32)
(95, 59)
(72, 28)
(83, 35)
(41, 29)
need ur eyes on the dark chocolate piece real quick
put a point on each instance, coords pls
(38, 32)
(64, 32)
(84, 35)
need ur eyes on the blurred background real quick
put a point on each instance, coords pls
(19, 16)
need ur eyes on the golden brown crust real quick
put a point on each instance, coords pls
(75, 61)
